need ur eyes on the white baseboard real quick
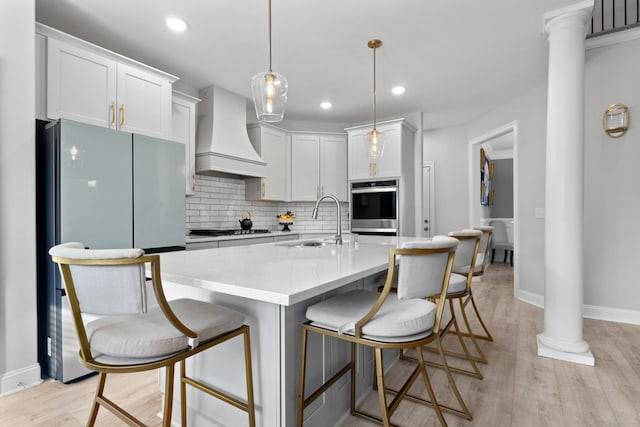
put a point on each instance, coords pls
(619, 315)
(610, 314)
(13, 381)
(530, 298)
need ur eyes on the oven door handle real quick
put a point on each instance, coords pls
(374, 190)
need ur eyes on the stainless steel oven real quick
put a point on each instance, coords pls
(374, 207)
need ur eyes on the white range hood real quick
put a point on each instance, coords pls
(222, 142)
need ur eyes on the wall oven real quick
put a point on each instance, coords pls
(374, 207)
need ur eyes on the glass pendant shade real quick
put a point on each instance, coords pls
(375, 144)
(269, 91)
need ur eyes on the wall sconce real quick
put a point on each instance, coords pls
(615, 120)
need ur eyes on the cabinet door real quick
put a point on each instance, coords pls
(359, 162)
(183, 130)
(333, 166)
(390, 164)
(273, 152)
(305, 167)
(144, 102)
(81, 85)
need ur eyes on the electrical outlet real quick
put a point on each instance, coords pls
(539, 213)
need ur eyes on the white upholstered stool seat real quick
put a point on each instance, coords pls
(151, 335)
(397, 319)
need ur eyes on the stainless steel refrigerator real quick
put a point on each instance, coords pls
(106, 189)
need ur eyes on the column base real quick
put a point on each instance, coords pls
(584, 358)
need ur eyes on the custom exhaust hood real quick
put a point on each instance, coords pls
(222, 142)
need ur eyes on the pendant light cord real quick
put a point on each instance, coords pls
(374, 88)
(270, 70)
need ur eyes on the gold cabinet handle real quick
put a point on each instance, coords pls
(113, 113)
(375, 168)
(193, 182)
(121, 115)
(264, 189)
(370, 172)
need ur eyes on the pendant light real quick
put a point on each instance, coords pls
(374, 139)
(269, 90)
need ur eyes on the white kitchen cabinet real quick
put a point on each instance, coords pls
(183, 129)
(271, 143)
(93, 85)
(318, 166)
(398, 151)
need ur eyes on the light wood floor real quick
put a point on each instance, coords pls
(519, 388)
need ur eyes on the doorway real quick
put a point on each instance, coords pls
(499, 143)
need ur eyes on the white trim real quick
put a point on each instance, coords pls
(432, 199)
(612, 38)
(20, 379)
(610, 314)
(530, 298)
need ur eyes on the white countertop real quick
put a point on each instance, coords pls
(278, 273)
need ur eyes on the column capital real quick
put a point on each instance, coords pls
(575, 14)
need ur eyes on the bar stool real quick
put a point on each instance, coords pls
(386, 320)
(129, 336)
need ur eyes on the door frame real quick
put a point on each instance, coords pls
(429, 167)
(474, 183)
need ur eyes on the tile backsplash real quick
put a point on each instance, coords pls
(218, 203)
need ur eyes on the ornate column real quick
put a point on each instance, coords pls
(564, 187)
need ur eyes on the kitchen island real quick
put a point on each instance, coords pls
(272, 285)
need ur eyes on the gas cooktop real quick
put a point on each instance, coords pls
(214, 233)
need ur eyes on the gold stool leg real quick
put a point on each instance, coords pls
(168, 397)
(99, 393)
(466, 354)
(481, 357)
(488, 336)
(301, 376)
(183, 392)
(249, 375)
(386, 418)
(452, 383)
(427, 384)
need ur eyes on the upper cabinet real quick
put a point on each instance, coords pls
(318, 166)
(398, 151)
(271, 143)
(93, 85)
(183, 129)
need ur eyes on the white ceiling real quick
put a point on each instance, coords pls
(457, 58)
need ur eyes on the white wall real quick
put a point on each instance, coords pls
(448, 149)
(18, 348)
(612, 179)
(502, 184)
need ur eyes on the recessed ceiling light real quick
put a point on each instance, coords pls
(176, 24)
(325, 105)
(398, 90)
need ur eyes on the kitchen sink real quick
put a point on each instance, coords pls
(308, 244)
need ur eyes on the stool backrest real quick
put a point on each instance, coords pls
(468, 247)
(422, 274)
(106, 282)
